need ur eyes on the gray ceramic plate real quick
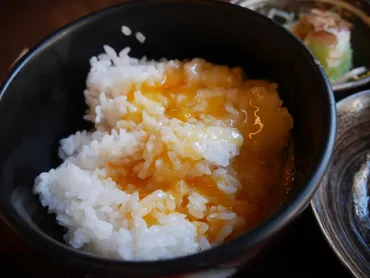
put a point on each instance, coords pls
(357, 12)
(335, 203)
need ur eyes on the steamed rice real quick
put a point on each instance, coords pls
(160, 175)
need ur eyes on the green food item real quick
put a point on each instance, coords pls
(328, 36)
(323, 52)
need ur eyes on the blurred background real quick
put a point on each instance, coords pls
(302, 252)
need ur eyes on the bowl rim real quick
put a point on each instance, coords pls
(215, 255)
(338, 249)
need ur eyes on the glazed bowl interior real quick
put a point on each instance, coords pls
(43, 102)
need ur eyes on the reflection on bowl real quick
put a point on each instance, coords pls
(43, 101)
(341, 204)
(356, 13)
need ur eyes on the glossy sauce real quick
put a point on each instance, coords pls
(265, 166)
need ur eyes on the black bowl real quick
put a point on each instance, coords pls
(42, 102)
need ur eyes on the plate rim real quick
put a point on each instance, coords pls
(335, 245)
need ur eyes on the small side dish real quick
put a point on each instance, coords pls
(328, 35)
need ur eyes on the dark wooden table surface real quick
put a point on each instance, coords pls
(302, 253)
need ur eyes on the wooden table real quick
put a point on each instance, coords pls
(303, 252)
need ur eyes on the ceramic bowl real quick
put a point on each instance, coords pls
(42, 101)
(341, 204)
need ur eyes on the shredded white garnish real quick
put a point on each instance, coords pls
(276, 12)
(351, 74)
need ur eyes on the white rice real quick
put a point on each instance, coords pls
(103, 218)
(140, 37)
(126, 30)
